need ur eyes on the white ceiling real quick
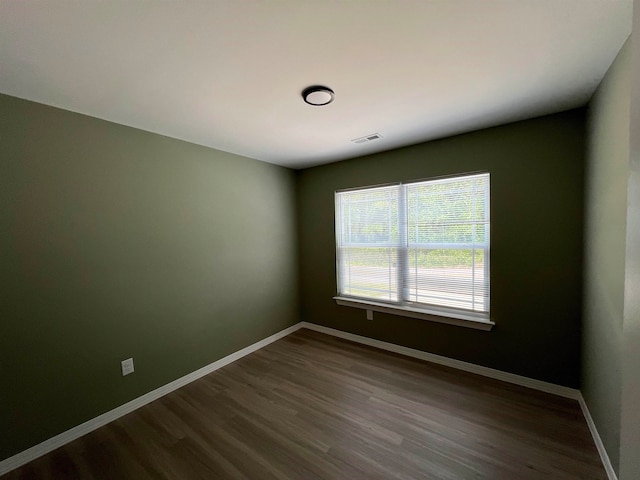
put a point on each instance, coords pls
(228, 74)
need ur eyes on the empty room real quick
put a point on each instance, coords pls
(313, 239)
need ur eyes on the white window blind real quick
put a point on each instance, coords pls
(369, 243)
(422, 244)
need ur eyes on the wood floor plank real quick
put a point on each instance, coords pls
(315, 407)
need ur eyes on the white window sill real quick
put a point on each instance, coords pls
(451, 318)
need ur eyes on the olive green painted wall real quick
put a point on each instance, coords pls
(116, 242)
(607, 165)
(536, 171)
(630, 412)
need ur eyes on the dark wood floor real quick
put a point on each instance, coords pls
(312, 406)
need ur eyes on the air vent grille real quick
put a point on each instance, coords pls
(367, 138)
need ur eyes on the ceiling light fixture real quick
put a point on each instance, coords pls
(318, 95)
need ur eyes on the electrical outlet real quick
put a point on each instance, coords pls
(369, 314)
(127, 366)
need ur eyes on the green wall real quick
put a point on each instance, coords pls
(116, 242)
(536, 171)
(607, 165)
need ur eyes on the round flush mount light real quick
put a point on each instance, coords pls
(318, 95)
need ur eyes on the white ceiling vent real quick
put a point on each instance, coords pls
(367, 138)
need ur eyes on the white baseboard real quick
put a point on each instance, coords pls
(604, 456)
(450, 362)
(51, 444)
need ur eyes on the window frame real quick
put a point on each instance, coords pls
(405, 307)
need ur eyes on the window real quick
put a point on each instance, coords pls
(419, 247)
